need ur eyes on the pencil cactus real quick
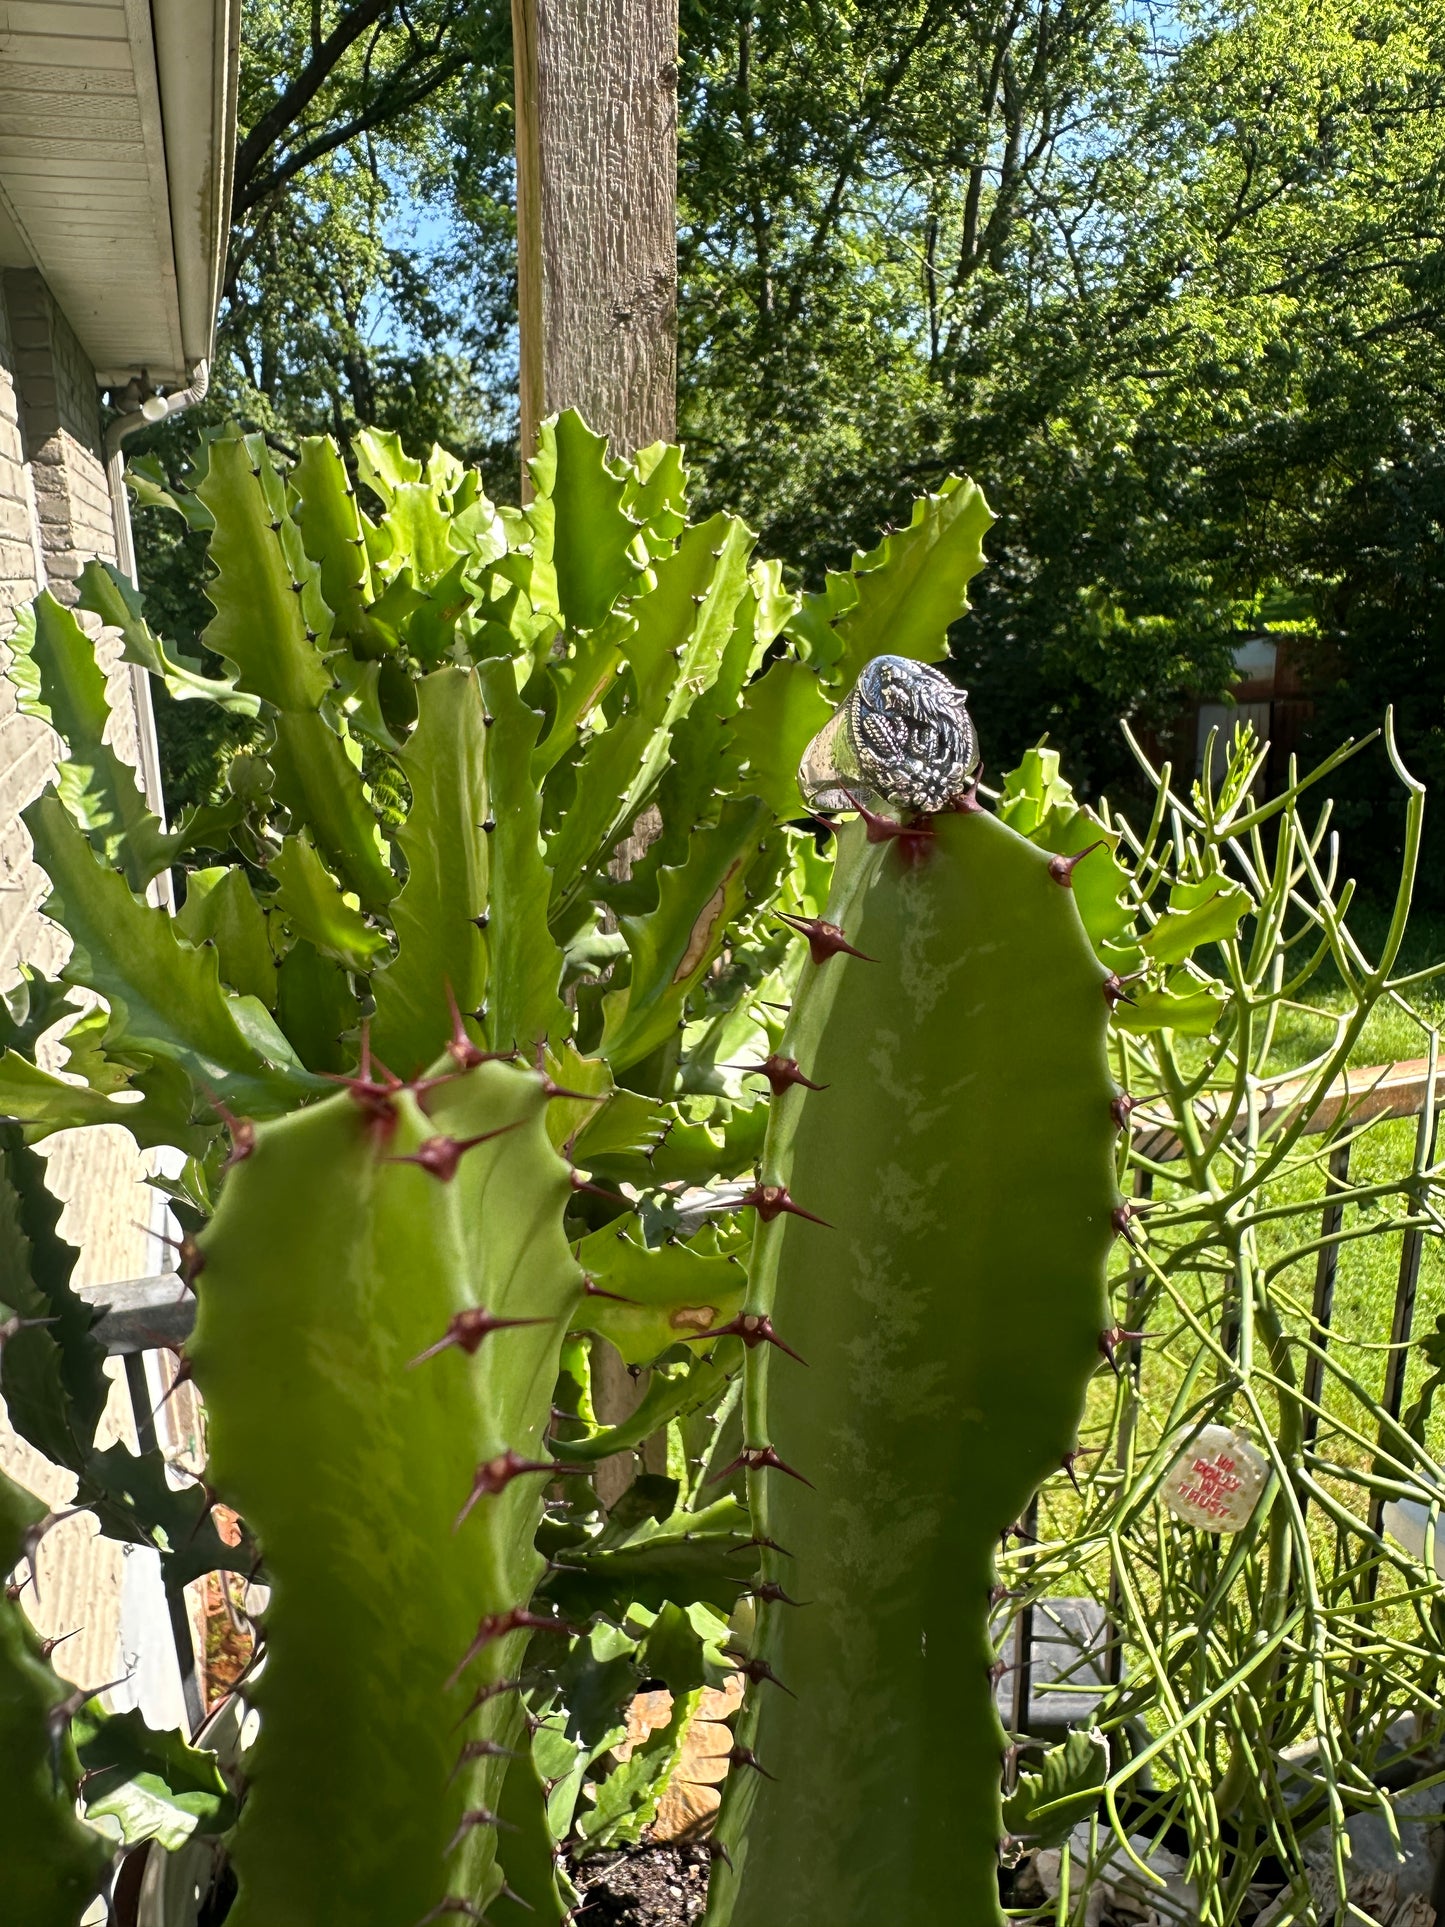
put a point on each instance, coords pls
(924, 1312)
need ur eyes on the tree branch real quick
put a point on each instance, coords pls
(298, 95)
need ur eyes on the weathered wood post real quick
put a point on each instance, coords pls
(596, 107)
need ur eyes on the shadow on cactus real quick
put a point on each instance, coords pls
(470, 1079)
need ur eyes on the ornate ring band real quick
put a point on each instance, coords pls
(902, 735)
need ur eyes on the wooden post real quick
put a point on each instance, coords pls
(596, 111)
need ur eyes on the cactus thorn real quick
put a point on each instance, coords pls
(463, 1052)
(1122, 1217)
(781, 1072)
(243, 1131)
(192, 1260)
(770, 1593)
(754, 1328)
(1071, 1459)
(1116, 990)
(510, 1893)
(912, 837)
(717, 1851)
(759, 1458)
(1062, 868)
(744, 1756)
(771, 1545)
(966, 802)
(442, 1155)
(467, 1330)
(1113, 1338)
(825, 939)
(1121, 1108)
(494, 1626)
(579, 1183)
(477, 1817)
(453, 1904)
(592, 1289)
(495, 1475)
(48, 1646)
(757, 1670)
(12, 1327)
(772, 1200)
(550, 1088)
(493, 1689)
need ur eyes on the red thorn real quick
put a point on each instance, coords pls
(745, 1756)
(593, 1290)
(770, 1593)
(493, 1689)
(757, 1670)
(442, 1155)
(494, 1626)
(717, 1851)
(463, 1052)
(1114, 988)
(1072, 1457)
(453, 1904)
(913, 838)
(759, 1458)
(748, 1544)
(468, 1329)
(1121, 1108)
(825, 940)
(476, 1817)
(1121, 1217)
(1113, 1338)
(754, 1328)
(48, 1646)
(1062, 868)
(965, 802)
(192, 1258)
(495, 1475)
(579, 1183)
(243, 1131)
(781, 1072)
(772, 1200)
(481, 1750)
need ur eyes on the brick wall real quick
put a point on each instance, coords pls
(60, 431)
(55, 515)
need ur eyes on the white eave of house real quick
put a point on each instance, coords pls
(117, 129)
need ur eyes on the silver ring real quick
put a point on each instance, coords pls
(902, 736)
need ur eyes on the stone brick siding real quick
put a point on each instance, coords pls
(55, 515)
(60, 431)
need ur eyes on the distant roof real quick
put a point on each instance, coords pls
(117, 131)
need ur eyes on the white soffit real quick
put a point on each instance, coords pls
(116, 132)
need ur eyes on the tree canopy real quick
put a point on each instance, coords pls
(1165, 279)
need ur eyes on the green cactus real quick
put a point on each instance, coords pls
(459, 713)
(961, 1152)
(52, 1864)
(386, 1293)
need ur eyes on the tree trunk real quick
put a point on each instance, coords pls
(597, 215)
(596, 114)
